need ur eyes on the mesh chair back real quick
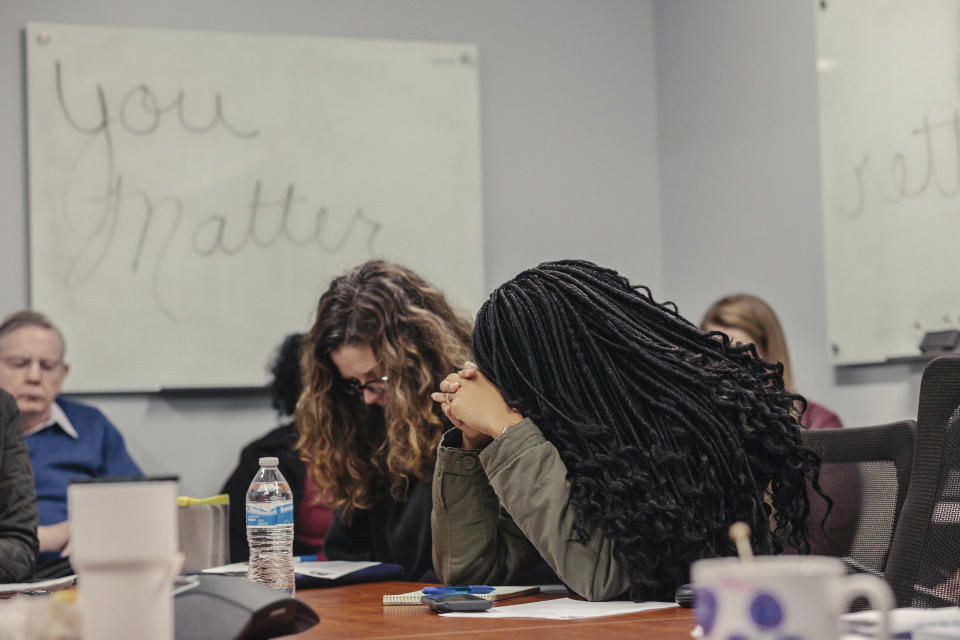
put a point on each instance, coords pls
(866, 472)
(924, 562)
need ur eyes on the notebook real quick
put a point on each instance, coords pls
(498, 593)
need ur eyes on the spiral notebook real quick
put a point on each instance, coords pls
(498, 593)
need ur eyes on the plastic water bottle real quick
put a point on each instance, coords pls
(270, 528)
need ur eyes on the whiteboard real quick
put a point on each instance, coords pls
(193, 193)
(889, 79)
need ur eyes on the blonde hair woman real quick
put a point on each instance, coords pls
(382, 340)
(748, 319)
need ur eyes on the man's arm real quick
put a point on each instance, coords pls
(18, 499)
(55, 537)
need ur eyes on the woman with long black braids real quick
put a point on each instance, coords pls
(620, 440)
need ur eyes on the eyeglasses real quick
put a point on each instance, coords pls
(377, 385)
(19, 363)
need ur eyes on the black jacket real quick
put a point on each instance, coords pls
(18, 498)
(394, 531)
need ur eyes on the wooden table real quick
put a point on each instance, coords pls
(356, 611)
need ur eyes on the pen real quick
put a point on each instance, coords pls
(304, 558)
(440, 591)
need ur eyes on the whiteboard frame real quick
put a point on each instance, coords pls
(394, 136)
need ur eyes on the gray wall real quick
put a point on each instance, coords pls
(690, 163)
(569, 138)
(740, 184)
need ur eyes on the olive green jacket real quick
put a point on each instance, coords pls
(18, 498)
(477, 542)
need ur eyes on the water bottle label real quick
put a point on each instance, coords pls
(268, 515)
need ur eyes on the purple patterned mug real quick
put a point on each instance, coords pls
(781, 597)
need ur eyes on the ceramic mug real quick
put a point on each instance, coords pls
(781, 597)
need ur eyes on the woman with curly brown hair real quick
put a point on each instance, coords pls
(382, 340)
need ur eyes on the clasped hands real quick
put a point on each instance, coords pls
(475, 406)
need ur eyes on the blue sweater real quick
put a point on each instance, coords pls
(58, 458)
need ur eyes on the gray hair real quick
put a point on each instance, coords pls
(30, 318)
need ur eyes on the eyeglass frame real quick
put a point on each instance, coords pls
(352, 388)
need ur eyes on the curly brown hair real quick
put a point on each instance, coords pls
(355, 452)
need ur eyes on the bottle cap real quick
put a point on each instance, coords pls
(269, 462)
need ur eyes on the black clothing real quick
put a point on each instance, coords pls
(391, 531)
(18, 498)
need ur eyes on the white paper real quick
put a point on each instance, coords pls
(564, 609)
(329, 569)
(944, 631)
(902, 621)
(42, 585)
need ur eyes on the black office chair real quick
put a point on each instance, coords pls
(866, 472)
(924, 563)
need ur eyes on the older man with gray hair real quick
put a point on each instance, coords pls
(66, 439)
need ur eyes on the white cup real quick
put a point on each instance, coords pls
(799, 597)
(123, 546)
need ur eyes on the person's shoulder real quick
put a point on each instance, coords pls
(278, 442)
(282, 436)
(82, 415)
(819, 417)
(74, 406)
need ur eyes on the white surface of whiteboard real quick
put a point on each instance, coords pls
(150, 245)
(889, 76)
